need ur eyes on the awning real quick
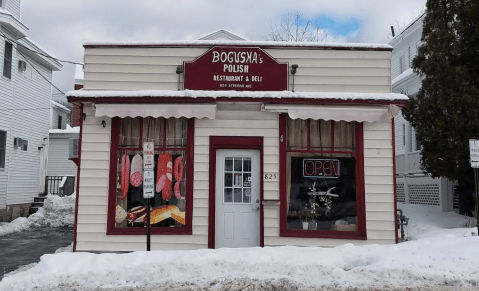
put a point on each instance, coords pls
(157, 110)
(336, 113)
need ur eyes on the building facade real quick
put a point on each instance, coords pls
(25, 94)
(413, 185)
(240, 143)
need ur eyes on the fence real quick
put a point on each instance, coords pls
(59, 185)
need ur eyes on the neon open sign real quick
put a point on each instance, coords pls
(320, 168)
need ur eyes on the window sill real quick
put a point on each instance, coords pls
(328, 234)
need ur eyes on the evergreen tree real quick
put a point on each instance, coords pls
(445, 112)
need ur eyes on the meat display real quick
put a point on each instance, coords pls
(125, 175)
(136, 176)
(164, 168)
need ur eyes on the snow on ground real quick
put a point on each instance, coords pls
(437, 257)
(56, 212)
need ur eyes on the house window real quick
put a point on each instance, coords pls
(7, 60)
(401, 64)
(322, 193)
(3, 148)
(171, 207)
(59, 124)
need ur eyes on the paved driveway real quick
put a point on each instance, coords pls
(26, 247)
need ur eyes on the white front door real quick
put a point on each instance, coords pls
(237, 198)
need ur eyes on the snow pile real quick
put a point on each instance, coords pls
(430, 222)
(453, 261)
(56, 212)
(438, 257)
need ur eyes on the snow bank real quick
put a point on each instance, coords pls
(56, 212)
(449, 262)
(430, 222)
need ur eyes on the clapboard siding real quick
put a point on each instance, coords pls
(13, 6)
(319, 70)
(58, 158)
(20, 179)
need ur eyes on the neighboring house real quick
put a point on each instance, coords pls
(61, 171)
(413, 185)
(250, 143)
(25, 93)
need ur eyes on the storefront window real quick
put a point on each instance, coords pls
(323, 191)
(169, 208)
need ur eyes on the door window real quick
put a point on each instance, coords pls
(237, 181)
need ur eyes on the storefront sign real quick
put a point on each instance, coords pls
(236, 68)
(148, 184)
(320, 168)
(148, 155)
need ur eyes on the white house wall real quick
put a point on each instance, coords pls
(319, 70)
(58, 154)
(13, 6)
(19, 180)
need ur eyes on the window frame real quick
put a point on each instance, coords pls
(114, 149)
(7, 63)
(59, 121)
(3, 149)
(360, 233)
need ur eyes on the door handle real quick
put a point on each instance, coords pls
(257, 208)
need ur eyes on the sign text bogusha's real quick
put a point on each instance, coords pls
(236, 68)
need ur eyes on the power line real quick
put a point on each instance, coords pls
(26, 59)
(39, 53)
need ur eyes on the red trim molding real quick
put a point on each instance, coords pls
(187, 229)
(233, 142)
(78, 163)
(394, 182)
(360, 234)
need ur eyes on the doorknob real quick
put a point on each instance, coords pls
(257, 208)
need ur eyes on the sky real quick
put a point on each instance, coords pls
(62, 26)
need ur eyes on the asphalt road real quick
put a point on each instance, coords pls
(26, 247)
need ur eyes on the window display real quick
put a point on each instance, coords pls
(323, 191)
(169, 206)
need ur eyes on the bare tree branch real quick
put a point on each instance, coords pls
(296, 27)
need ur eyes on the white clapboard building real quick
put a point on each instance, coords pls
(256, 143)
(413, 185)
(25, 94)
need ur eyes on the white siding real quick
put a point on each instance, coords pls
(25, 113)
(58, 154)
(13, 6)
(319, 70)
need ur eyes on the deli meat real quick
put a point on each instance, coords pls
(125, 175)
(178, 173)
(136, 173)
(164, 168)
(136, 179)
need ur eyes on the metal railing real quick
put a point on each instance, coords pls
(59, 185)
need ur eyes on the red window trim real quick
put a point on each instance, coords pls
(231, 142)
(360, 234)
(187, 230)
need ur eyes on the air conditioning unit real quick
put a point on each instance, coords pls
(17, 142)
(73, 148)
(22, 65)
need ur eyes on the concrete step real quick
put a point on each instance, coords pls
(39, 199)
(34, 209)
